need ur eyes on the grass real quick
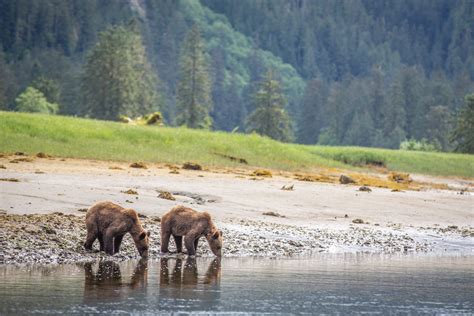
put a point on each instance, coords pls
(101, 140)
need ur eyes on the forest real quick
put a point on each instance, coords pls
(391, 74)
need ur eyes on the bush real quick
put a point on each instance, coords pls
(360, 158)
(32, 100)
(422, 145)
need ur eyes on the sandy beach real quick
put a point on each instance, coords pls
(314, 216)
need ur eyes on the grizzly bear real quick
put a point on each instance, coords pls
(109, 223)
(183, 222)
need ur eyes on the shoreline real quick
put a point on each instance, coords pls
(57, 238)
(313, 217)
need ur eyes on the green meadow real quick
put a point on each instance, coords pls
(103, 140)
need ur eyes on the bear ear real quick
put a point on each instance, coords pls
(216, 235)
(142, 235)
(148, 233)
(220, 233)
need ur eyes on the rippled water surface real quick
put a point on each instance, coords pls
(329, 283)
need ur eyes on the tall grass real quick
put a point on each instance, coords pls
(86, 138)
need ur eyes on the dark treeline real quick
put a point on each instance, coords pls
(359, 72)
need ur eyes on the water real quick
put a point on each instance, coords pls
(326, 283)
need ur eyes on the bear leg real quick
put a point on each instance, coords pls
(90, 238)
(189, 243)
(165, 239)
(179, 243)
(117, 243)
(109, 243)
(196, 241)
(101, 242)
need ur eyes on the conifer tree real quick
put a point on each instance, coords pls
(118, 79)
(312, 118)
(463, 134)
(269, 117)
(194, 89)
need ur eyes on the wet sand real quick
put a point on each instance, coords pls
(316, 216)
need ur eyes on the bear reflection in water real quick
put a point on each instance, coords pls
(188, 275)
(107, 282)
(184, 282)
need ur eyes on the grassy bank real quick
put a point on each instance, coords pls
(84, 138)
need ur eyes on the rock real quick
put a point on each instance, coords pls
(358, 221)
(154, 118)
(48, 230)
(130, 191)
(155, 218)
(343, 179)
(20, 153)
(32, 229)
(346, 216)
(115, 168)
(271, 213)
(24, 159)
(365, 189)
(166, 195)
(3, 167)
(287, 187)
(138, 165)
(42, 155)
(174, 171)
(192, 166)
(82, 210)
(9, 179)
(232, 158)
(399, 177)
(262, 173)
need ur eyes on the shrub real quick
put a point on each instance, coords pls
(422, 145)
(32, 100)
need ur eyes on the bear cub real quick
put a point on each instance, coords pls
(109, 222)
(182, 222)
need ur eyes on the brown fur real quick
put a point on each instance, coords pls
(182, 222)
(109, 222)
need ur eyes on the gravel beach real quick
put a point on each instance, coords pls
(43, 204)
(57, 238)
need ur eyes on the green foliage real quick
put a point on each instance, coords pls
(194, 89)
(422, 145)
(84, 138)
(49, 88)
(269, 117)
(32, 100)
(463, 134)
(117, 78)
(356, 157)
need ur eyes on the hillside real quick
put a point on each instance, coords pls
(85, 138)
(363, 73)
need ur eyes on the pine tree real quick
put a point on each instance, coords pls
(50, 88)
(312, 118)
(463, 134)
(270, 118)
(194, 89)
(438, 125)
(117, 78)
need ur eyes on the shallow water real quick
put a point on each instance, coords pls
(325, 283)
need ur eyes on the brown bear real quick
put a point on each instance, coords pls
(184, 222)
(109, 222)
